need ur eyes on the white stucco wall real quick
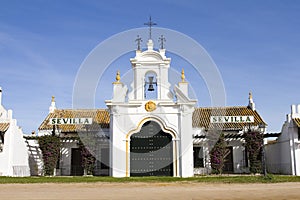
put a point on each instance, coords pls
(238, 156)
(283, 156)
(14, 157)
(66, 155)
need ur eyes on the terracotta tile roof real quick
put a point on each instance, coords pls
(100, 117)
(4, 127)
(297, 121)
(201, 117)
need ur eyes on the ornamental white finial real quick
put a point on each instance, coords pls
(250, 95)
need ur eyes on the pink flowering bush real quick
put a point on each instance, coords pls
(88, 145)
(50, 147)
(217, 155)
(254, 144)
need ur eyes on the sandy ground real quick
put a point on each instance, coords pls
(172, 191)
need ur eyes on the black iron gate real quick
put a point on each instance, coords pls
(151, 152)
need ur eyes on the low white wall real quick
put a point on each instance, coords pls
(14, 157)
(278, 157)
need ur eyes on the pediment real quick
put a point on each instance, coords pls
(150, 56)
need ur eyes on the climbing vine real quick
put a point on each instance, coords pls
(217, 155)
(254, 144)
(50, 147)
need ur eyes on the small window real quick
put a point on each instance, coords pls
(1, 141)
(1, 137)
(298, 133)
(198, 157)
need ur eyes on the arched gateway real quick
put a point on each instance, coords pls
(151, 151)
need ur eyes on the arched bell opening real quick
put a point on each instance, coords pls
(150, 85)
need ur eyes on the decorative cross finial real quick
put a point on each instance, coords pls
(150, 24)
(138, 40)
(182, 75)
(162, 39)
(118, 78)
(52, 99)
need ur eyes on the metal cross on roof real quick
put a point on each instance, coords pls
(162, 39)
(150, 24)
(139, 40)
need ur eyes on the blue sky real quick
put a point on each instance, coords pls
(255, 45)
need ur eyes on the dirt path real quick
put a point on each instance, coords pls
(172, 191)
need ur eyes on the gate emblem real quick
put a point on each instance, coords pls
(150, 106)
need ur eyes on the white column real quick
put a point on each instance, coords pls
(176, 159)
(293, 109)
(118, 150)
(183, 86)
(186, 142)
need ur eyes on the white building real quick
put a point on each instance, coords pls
(283, 154)
(13, 149)
(153, 130)
(236, 160)
(149, 119)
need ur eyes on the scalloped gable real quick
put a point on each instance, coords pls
(150, 56)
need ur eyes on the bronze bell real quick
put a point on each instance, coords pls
(150, 88)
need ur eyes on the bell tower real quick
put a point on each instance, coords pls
(152, 104)
(150, 69)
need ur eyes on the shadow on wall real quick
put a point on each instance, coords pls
(34, 158)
